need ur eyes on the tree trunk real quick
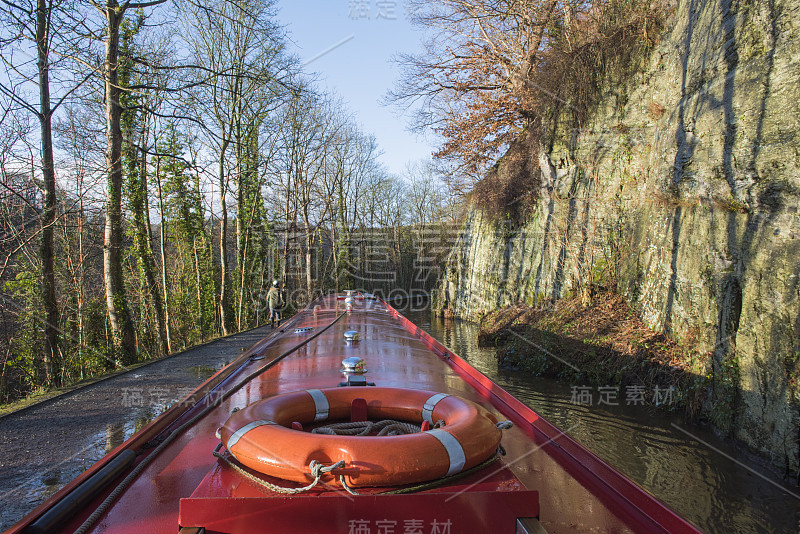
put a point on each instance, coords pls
(335, 250)
(144, 248)
(163, 250)
(203, 267)
(286, 227)
(247, 201)
(46, 247)
(81, 277)
(158, 303)
(199, 281)
(224, 314)
(123, 340)
(343, 261)
(240, 193)
(309, 239)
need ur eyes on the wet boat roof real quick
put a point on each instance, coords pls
(576, 491)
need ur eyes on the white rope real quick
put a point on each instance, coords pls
(317, 470)
(387, 427)
(504, 425)
(346, 487)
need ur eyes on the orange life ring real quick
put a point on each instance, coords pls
(259, 438)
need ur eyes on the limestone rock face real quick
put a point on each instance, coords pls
(684, 192)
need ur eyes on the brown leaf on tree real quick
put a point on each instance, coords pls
(494, 71)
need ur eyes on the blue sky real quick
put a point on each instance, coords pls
(359, 69)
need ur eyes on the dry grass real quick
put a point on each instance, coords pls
(607, 341)
(511, 188)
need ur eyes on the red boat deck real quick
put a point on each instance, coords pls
(185, 485)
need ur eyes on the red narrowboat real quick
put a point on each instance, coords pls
(349, 418)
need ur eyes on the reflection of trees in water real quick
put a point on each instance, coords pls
(115, 435)
(147, 415)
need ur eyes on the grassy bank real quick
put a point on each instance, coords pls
(604, 344)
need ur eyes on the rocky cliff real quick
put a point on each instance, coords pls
(683, 192)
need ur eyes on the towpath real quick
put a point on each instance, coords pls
(48, 444)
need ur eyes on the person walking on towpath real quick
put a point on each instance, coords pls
(276, 303)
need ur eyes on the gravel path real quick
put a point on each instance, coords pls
(47, 445)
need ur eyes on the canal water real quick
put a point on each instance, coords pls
(699, 475)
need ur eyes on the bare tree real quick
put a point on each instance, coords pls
(319, 178)
(302, 144)
(46, 25)
(238, 52)
(254, 148)
(493, 69)
(76, 243)
(123, 336)
(337, 175)
(474, 76)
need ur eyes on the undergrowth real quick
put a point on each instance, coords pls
(605, 344)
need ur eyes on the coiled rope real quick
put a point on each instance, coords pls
(317, 469)
(387, 427)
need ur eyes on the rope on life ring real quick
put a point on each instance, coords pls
(387, 427)
(259, 436)
(317, 470)
(426, 485)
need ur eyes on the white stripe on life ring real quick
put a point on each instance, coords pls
(454, 449)
(321, 405)
(239, 434)
(430, 404)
